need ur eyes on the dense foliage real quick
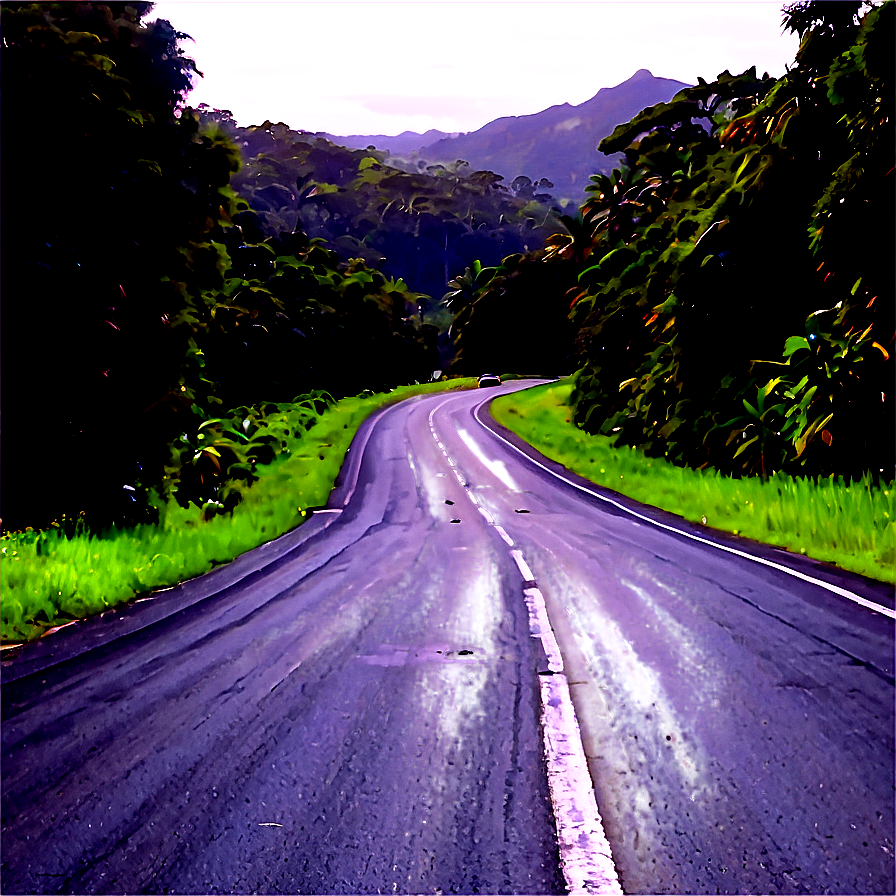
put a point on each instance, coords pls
(740, 312)
(512, 316)
(107, 214)
(734, 296)
(142, 299)
(423, 225)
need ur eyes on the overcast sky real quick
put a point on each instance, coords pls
(375, 67)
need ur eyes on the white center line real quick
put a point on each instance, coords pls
(523, 567)
(585, 857)
(540, 626)
(504, 535)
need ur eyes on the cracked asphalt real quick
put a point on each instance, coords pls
(355, 707)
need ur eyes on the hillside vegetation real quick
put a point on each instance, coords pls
(423, 225)
(733, 296)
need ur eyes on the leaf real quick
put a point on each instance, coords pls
(670, 427)
(770, 385)
(747, 159)
(75, 37)
(588, 271)
(794, 344)
(745, 446)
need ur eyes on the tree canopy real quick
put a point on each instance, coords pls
(424, 225)
(142, 299)
(109, 192)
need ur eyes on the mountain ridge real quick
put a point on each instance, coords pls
(399, 144)
(558, 143)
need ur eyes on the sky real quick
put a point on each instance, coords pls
(374, 67)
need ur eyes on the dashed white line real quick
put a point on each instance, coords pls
(585, 857)
(504, 535)
(523, 567)
(540, 626)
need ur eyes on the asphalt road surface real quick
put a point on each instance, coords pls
(355, 707)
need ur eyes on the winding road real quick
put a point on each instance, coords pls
(374, 703)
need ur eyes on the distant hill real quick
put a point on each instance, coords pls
(559, 143)
(401, 145)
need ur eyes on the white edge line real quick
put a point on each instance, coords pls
(835, 589)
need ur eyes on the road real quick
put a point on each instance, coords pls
(356, 706)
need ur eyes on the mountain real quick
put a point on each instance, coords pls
(401, 145)
(559, 143)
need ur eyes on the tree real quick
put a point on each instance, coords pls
(511, 317)
(731, 308)
(109, 192)
(422, 226)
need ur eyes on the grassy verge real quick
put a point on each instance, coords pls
(850, 525)
(49, 578)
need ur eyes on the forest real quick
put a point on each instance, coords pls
(172, 278)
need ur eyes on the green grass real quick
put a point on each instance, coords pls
(848, 524)
(49, 579)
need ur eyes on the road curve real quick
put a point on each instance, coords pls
(355, 707)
